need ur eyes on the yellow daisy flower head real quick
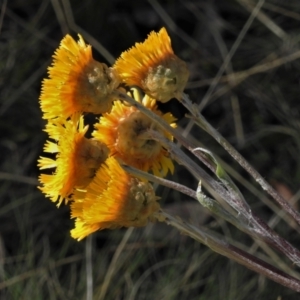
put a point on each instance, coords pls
(112, 200)
(124, 131)
(77, 160)
(76, 83)
(153, 66)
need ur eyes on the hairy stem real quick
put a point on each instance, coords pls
(257, 227)
(201, 122)
(224, 248)
(245, 219)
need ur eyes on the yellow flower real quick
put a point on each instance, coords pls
(77, 83)
(113, 199)
(77, 160)
(154, 67)
(124, 131)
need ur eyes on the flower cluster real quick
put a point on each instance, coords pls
(83, 167)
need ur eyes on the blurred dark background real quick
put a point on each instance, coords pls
(243, 57)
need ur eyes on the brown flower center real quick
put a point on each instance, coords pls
(90, 154)
(94, 87)
(131, 139)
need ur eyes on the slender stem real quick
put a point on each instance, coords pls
(224, 248)
(262, 232)
(156, 118)
(114, 266)
(168, 183)
(245, 219)
(201, 175)
(89, 267)
(201, 121)
(198, 172)
(164, 125)
(212, 205)
(258, 228)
